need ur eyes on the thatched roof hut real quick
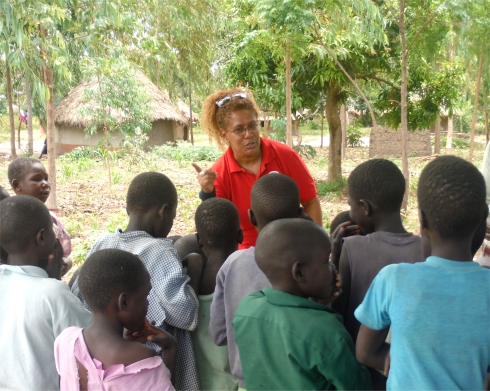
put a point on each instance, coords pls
(185, 110)
(168, 120)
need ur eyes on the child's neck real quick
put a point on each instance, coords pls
(452, 249)
(389, 222)
(215, 259)
(103, 325)
(139, 222)
(27, 258)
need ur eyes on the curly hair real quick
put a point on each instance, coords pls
(217, 223)
(379, 181)
(451, 193)
(215, 118)
(106, 273)
(19, 167)
(148, 190)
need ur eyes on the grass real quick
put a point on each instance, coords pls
(89, 208)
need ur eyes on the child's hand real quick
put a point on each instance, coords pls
(337, 290)
(342, 231)
(150, 333)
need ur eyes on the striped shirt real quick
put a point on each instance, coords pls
(173, 305)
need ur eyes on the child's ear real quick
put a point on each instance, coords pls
(122, 301)
(240, 236)
(252, 218)
(15, 185)
(40, 237)
(368, 208)
(162, 210)
(301, 212)
(199, 241)
(298, 273)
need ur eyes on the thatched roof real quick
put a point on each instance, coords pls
(185, 110)
(67, 112)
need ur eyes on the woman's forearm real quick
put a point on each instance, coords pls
(314, 210)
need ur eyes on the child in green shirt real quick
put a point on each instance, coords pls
(286, 339)
(218, 235)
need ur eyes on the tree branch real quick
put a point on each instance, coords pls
(420, 30)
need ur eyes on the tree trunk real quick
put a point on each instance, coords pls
(404, 119)
(30, 147)
(190, 114)
(449, 135)
(289, 120)
(321, 132)
(13, 153)
(48, 81)
(343, 122)
(106, 130)
(475, 109)
(437, 135)
(335, 131)
(485, 104)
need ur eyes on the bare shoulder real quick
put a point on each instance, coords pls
(136, 351)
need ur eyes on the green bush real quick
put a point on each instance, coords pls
(354, 135)
(457, 143)
(324, 187)
(312, 125)
(187, 152)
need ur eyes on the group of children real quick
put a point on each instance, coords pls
(193, 312)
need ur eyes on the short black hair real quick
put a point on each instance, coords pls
(19, 167)
(451, 193)
(275, 196)
(283, 242)
(217, 223)
(21, 218)
(149, 190)
(3, 193)
(342, 217)
(379, 181)
(107, 273)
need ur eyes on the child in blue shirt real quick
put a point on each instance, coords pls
(438, 310)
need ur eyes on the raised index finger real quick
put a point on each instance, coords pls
(197, 168)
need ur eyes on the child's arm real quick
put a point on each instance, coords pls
(372, 350)
(160, 337)
(342, 231)
(195, 265)
(217, 320)
(342, 302)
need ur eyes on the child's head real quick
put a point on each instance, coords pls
(218, 225)
(341, 218)
(26, 232)
(478, 237)
(451, 195)
(294, 255)
(375, 187)
(3, 193)
(116, 283)
(153, 197)
(274, 196)
(28, 176)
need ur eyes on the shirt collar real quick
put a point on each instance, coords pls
(33, 271)
(268, 155)
(447, 263)
(280, 298)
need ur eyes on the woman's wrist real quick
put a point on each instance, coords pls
(205, 195)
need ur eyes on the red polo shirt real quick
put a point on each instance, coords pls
(235, 184)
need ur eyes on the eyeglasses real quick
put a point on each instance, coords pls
(228, 98)
(252, 128)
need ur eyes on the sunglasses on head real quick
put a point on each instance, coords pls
(228, 98)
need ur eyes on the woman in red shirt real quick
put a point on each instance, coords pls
(230, 117)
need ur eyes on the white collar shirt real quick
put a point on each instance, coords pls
(35, 309)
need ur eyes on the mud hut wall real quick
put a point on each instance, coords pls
(161, 132)
(178, 130)
(67, 138)
(388, 143)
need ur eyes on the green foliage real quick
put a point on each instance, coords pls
(354, 134)
(312, 125)
(116, 101)
(186, 152)
(324, 188)
(457, 143)
(278, 132)
(305, 151)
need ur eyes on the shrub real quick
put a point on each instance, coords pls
(354, 135)
(187, 152)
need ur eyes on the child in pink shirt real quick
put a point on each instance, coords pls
(115, 284)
